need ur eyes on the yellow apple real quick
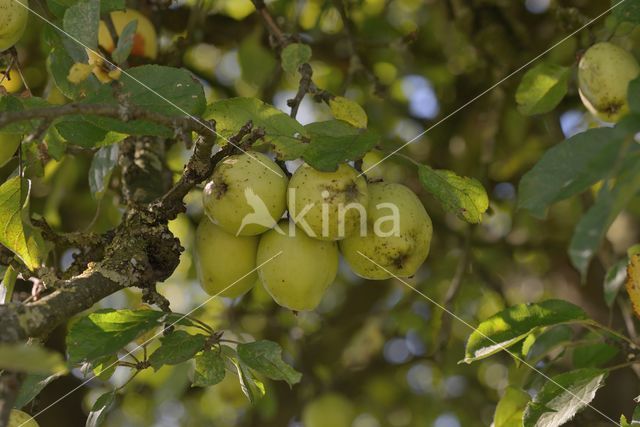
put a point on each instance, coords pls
(328, 205)
(13, 21)
(13, 83)
(604, 74)
(245, 196)
(295, 269)
(398, 235)
(225, 263)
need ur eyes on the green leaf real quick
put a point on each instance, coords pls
(32, 385)
(17, 233)
(334, 142)
(105, 367)
(266, 358)
(125, 42)
(102, 165)
(209, 370)
(626, 10)
(60, 62)
(106, 332)
(563, 397)
(593, 226)
(569, 168)
(177, 347)
(593, 355)
(250, 386)
(256, 62)
(294, 55)
(81, 23)
(31, 358)
(613, 281)
(170, 91)
(111, 5)
(282, 131)
(463, 196)
(100, 409)
(349, 111)
(8, 283)
(542, 88)
(510, 408)
(513, 324)
(537, 344)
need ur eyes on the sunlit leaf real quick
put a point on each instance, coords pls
(510, 408)
(563, 397)
(349, 111)
(100, 409)
(542, 88)
(463, 196)
(266, 358)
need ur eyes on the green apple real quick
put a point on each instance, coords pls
(247, 194)
(398, 235)
(328, 205)
(18, 418)
(296, 269)
(329, 410)
(9, 143)
(13, 21)
(225, 263)
(604, 74)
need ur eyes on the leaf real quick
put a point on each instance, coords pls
(31, 358)
(17, 233)
(32, 385)
(593, 226)
(513, 324)
(107, 331)
(294, 55)
(465, 197)
(569, 168)
(626, 10)
(593, 355)
(256, 62)
(164, 90)
(177, 347)
(334, 142)
(282, 131)
(100, 408)
(251, 387)
(542, 88)
(633, 283)
(209, 370)
(510, 408)
(125, 43)
(81, 23)
(8, 283)
(564, 396)
(539, 344)
(105, 367)
(350, 111)
(266, 358)
(102, 165)
(613, 281)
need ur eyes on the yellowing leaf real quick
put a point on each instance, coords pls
(349, 111)
(633, 283)
(16, 233)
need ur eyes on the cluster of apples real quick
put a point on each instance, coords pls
(604, 74)
(381, 229)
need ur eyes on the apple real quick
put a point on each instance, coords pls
(398, 235)
(329, 410)
(296, 269)
(145, 39)
(246, 195)
(13, 21)
(604, 74)
(18, 418)
(225, 263)
(328, 205)
(13, 83)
